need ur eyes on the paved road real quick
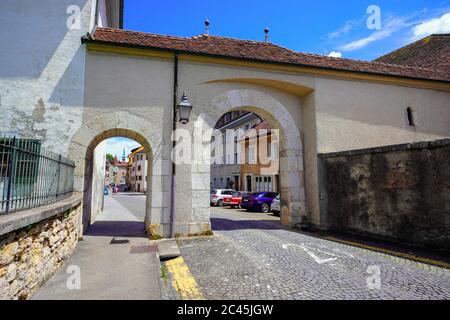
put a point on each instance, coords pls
(253, 257)
(109, 260)
(134, 202)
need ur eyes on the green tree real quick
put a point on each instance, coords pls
(110, 157)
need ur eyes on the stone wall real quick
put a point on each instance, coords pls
(30, 255)
(397, 192)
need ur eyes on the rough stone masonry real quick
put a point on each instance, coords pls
(29, 256)
(399, 192)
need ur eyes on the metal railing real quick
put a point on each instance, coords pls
(31, 176)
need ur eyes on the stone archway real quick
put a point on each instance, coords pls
(291, 149)
(123, 124)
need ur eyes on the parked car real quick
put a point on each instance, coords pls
(275, 207)
(235, 200)
(217, 196)
(123, 188)
(259, 201)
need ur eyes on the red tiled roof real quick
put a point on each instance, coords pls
(432, 52)
(256, 51)
(263, 125)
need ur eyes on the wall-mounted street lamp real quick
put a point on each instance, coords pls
(184, 109)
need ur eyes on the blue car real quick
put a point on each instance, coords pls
(259, 201)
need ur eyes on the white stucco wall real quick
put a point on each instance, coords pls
(98, 180)
(355, 115)
(42, 70)
(102, 15)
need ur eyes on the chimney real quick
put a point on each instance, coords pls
(266, 31)
(207, 27)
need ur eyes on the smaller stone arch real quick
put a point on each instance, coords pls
(291, 149)
(121, 124)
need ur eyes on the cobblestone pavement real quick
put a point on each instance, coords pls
(252, 257)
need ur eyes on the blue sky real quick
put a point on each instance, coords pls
(310, 26)
(115, 146)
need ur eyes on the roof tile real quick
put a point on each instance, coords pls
(264, 52)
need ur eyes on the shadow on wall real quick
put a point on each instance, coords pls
(67, 90)
(42, 29)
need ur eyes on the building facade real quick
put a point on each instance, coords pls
(225, 167)
(138, 170)
(116, 172)
(87, 83)
(257, 174)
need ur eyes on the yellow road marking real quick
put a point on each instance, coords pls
(404, 255)
(183, 280)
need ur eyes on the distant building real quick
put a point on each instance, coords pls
(237, 171)
(116, 172)
(254, 175)
(138, 170)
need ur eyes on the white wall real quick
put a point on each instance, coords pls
(42, 69)
(357, 115)
(98, 180)
(102, 15)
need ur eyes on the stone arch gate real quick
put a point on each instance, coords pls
(291, 147)
(191, 217)
(122, 124)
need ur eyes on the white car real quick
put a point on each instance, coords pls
(275, 206)
(218, 195)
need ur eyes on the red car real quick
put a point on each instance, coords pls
(235, 200)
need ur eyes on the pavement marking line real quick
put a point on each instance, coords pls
(403, 255)
(183, 280)
(310, 253)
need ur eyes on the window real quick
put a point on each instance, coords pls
(252, 154)
(410, 115)
(139, 167)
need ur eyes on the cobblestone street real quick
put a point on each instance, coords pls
(252, 257)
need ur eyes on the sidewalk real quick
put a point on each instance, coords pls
(115, 261)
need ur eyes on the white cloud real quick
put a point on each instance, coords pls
(335, 54)
(348, 26)
(393, 25)
(437, 25)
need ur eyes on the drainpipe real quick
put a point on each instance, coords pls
(174, 127)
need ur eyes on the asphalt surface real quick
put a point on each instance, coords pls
(114, 260)
(252, 256)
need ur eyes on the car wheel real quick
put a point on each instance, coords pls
(265, 208)
(220, 203)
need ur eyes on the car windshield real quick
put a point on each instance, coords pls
(256, 194)
(213, 191)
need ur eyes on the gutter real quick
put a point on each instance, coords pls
(121, 14)
(299, 65)
(174, 127)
